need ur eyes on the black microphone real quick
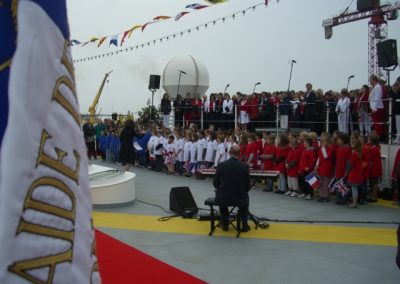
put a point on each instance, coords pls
(182, 72)
(351, 76)
(294, 61)
(226, 88)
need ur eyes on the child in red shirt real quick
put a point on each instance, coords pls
(292, 167)
(354, 171)
(366, 165)
(343, 154)
(396, 179)
(307, 165)
(243, 146)
(375, 174)
(281, 153)
(268, 155)
(325, 166)
(251, 152)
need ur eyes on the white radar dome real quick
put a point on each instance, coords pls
(184, 74)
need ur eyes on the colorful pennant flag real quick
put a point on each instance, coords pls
(46, 234)
(126, 33)
(133, 29)
(160, 18)
(215, 1)
(148, 23)
(196, 6)
(101, 41)
(114, 40)
(75, 42)
(180, 15)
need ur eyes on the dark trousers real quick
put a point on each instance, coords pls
(159, 163)
(91, 150)
(305, 186)
(243, 213)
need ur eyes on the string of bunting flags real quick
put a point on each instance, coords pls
(114, 38)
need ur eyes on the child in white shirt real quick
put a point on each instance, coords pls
(211, 148)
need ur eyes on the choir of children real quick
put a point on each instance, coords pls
(354, 160)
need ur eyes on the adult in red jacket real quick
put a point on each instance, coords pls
(307, 165)
(244, 113)
(354, 172)
(325, 166)
(343, 154)
(375, 174)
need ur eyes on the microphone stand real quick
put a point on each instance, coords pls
(291, 70)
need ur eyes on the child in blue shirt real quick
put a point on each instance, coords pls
(115, 147)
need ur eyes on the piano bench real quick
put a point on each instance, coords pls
(211, 202)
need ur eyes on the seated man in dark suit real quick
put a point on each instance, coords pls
(232, 181)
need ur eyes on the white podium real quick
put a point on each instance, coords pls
(111, 187)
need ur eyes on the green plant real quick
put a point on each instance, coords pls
(147, 115)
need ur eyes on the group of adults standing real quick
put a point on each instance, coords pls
(364, 109)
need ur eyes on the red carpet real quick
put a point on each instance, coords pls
(120, 263)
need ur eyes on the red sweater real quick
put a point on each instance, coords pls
(269, 163)
(307, 161)
(355, 176)
(376, 163)
(242, 156)
(281, 154)
(395, 174)
(251, 149)
(366, 161)
(325, 167)
(293, 155)
(343, 154)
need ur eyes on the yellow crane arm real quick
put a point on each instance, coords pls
(92, 108)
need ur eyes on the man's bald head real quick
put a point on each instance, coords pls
(234, 151)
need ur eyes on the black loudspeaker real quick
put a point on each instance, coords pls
(154, 82)
(387, 53)
(365, 5)
(114, 116)
(181, 200)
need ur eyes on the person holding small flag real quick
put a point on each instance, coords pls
(343, 154)
(325, 166)
(307, 165)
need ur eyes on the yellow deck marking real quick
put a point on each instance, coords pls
(291, 232)
(386, 203)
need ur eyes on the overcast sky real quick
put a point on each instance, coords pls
(252, 48)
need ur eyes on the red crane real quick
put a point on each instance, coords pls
(377, 28)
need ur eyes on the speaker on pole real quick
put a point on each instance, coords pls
(181, 200)
(154, 82)
(387, 53)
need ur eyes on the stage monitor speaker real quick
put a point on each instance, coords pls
(387, 53)
(154, 82)
(365, 5)
(181, 200)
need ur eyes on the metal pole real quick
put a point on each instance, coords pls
(236, 117)
(290, 76)
(327, 117)
(152, 105)
(179, 83)
(202, 117)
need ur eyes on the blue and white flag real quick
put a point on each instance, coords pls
(46, 233)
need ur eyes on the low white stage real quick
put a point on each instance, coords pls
(111, 187)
